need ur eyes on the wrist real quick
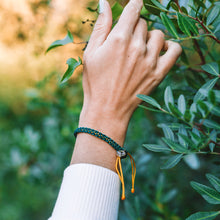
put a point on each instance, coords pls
(90, 149)
(107, 122)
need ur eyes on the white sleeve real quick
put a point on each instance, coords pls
(88, 192)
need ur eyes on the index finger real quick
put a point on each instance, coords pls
(129, 17)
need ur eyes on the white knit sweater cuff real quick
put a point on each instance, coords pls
(88, 192)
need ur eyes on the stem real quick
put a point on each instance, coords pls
(211, 35)
(178, 5)
(181, 119)
(197, 70)
(199, 51)
(191, 37)
(199, 127)
(217, 144)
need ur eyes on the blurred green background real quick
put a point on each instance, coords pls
(38, 116)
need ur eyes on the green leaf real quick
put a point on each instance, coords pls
(211, 68)
(156, 148)
(215, 181)
(183, 24)
(217, 95)
(169, 196)
(182, 104)
(213, 14)
(183, 131)
(204, 92)
(149, 100)
(203, 216)
(155, 2)
(168, 97)
(72, 65)
(159, 187)
(68, 39)
(175, 110)
(174, 146)
(196, 131)
(207, 86)
(152, 8)
(193, 111)
(172, 161)
(187, 140)
(168, 133)
(116, 11)
(212, 136)
(195, 137)
(211, 124)
(192, 161)
(173, 126)
(217, 28)
(202, 107)
(169, 25)
(211, 97)
(150, 109)
(188, 116)
(209, 194)
(184, 10)
(208, 104)
(200, 3)
(216, 111)
(174, 6)
(191, 25)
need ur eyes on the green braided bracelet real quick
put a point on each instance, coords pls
(120, 151)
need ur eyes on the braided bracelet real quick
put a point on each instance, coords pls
(121, 154)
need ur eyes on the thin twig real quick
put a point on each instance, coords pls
(205, 28)
(199, 51)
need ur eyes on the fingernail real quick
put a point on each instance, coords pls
(101, 6)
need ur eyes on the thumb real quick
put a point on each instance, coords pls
(103, 25)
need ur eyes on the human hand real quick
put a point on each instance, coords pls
(119, 64)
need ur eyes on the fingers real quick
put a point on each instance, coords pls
(102, 27)
(129, 17)
(165, 62)
(155, 43)
(140, 31)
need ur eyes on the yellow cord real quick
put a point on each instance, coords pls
(120, 174)
(121, 177)
(133, 167)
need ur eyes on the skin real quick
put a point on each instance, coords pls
(118, 64)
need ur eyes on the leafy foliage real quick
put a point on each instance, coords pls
(199, 110)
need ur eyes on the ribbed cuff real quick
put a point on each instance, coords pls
(88, 192)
